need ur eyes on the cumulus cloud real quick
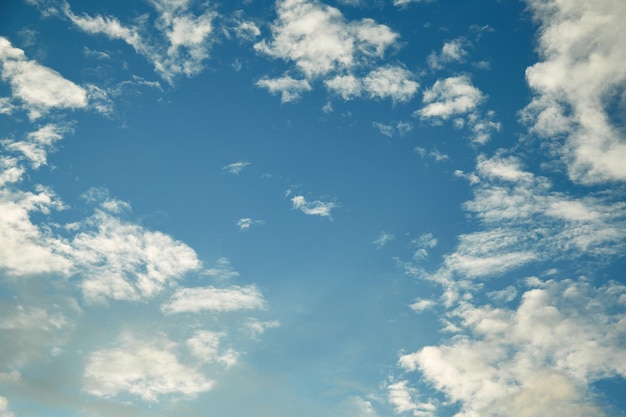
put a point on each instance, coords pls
(312, 208)
(323, 45)
(289, 88)
(449, 97)
(147, 369)
(540, 357)
(39, 88)
(401, 396)
(222, 270)
(451, 51)
(579, 79)
(199, 299)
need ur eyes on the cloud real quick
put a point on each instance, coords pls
(449, 97)
(403, 3)
(319, 40)
(256, 327)
(246, 223)
(390, 82)
(323, 45)
(400, 395)
(383, 239)
(312, 208)
(146, 369)
(4, 412)
(185, 37)
(578, 82)
(451, 51)
(420, 305)
(539, 358)
(289, 88)
(39, 88)
(236, 167)
(199, 299)
(223, 270)
(523, 221)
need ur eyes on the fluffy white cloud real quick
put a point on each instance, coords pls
(319, 40)
(312, 208)
(222, 270)
(323, 44)
(4, 405)
(449, 97)
(537, 359)
(147, 369)
(123, 261)
(195, 300)
(451, 51)
(390, 82)
(289, 88)
(38, 87)
(580, 77)
(401, 396)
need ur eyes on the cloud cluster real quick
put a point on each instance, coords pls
(522, 221)
(579, 86)
(538, 358)
(185, 37)
(322, 44)
(458, 99)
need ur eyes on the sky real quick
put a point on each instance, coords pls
(348, 208)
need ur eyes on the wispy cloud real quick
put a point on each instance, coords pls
(246, 223)
(451, 51)
(383, 239)
(198, 299)
(313, 208)
(236, 167)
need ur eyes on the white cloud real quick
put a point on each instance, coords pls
(403, 3)
(452, 51)
(236, 167)
(124, 261)
(347, 86)
(523, 221)
(540, 358)
(187, 36)
(222, 270)
(38, 87)
(581, 75)
(323, 44)
(400, 395)
(421, 304)
(204, 345)
(246, 223)
(289, 88)
(146, 369)
(390, 82)
(449, 97)
(383, 239)
(4, 405)
(313, 208)
(256, 327)
(195, 300)
(319, 40)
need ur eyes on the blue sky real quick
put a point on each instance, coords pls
(363, 208)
